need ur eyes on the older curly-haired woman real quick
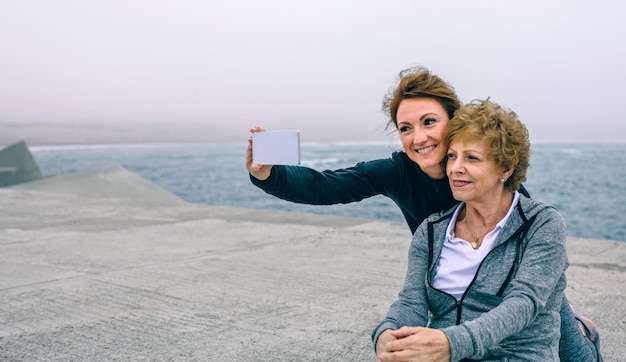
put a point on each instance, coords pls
(485, 279)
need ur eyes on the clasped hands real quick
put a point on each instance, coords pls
(412, 344)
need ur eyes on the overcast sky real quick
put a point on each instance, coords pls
(319, 66)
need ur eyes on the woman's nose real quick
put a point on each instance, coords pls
(419, 137)
(455, 165)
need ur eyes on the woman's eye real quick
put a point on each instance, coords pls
(450, 155)
(403, 129)
(429, 121)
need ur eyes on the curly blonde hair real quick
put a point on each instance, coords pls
(500, 129)
(419, 82)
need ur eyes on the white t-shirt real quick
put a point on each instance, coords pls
(459, 261)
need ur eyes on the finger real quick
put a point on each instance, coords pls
(396, 356)
(249, 153)
(404, 332)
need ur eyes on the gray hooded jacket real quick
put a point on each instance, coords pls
(510, 311)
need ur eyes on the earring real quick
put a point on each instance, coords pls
(502, 180)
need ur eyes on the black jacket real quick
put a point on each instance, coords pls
(397, 177)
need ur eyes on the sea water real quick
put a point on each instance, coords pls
(585, 182)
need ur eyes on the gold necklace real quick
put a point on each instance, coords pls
(476, 241)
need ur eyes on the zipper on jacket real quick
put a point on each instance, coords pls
(459, 310)
(459, 303)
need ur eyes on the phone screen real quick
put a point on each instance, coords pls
(276, 148)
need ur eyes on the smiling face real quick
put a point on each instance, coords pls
(473, 175)
(421, 124)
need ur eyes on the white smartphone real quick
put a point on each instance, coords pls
(276, 148)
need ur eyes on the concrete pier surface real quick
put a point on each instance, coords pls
(104, 266)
